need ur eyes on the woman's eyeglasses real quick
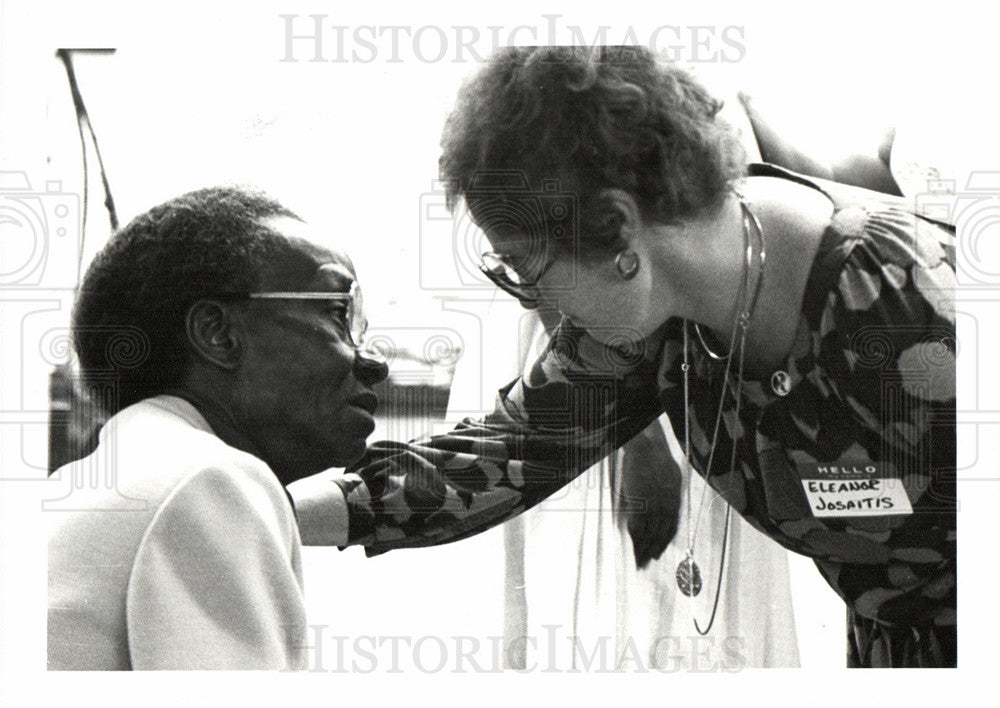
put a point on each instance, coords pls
(504, 275)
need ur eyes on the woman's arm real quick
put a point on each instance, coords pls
(577, 403)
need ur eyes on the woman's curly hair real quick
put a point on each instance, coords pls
(591, 118)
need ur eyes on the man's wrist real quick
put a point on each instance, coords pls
(332, 510)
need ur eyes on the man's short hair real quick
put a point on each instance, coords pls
(129, 327)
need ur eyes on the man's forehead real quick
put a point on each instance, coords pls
(335, 275)
(317, 265)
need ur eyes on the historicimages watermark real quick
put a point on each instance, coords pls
(320, 38)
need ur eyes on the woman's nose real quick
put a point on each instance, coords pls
(370, 367)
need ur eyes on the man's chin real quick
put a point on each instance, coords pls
(348, 454)
(344, 455)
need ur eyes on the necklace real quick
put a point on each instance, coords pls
(688, 574)
(748, 216)
(708, 349)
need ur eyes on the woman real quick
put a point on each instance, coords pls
(599, 557)
(799, 334)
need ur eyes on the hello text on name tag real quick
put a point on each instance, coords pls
(849, 489)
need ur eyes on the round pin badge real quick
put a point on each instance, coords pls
(781, 383)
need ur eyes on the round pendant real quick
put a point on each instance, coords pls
(689, 577)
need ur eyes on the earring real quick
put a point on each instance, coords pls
(627, 262)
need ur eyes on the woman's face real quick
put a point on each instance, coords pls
(589, 291)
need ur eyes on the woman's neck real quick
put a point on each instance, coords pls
(703, 265)
(709, 281)
(793, 218)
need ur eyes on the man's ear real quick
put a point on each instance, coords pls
(621, 214)
(213, 334)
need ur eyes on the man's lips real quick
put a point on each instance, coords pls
(366, 401)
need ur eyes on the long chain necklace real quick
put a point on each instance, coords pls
(688, 574)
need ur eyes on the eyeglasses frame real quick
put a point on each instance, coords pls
(352, 298)
(526, 293)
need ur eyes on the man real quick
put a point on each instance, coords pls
(245, 375)
(226, 343)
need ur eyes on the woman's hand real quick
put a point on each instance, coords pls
(648, 497)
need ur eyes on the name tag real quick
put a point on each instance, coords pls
(846, 489)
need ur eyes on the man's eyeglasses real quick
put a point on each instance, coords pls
(496, 267)
(354, 319)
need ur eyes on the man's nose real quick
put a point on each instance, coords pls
(370, 367)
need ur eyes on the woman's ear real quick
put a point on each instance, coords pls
(620, 214)
(212, 333)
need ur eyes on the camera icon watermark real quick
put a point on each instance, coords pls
(607, 351)
(975, 214)
(83, 475)
(416, 351)
(421, 363)
(37, 224)
(451, 246)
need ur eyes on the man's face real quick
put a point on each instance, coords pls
(305, 391)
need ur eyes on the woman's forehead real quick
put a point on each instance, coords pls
(510, 241)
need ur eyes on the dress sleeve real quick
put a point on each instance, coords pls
(215, 583)
(577, 403)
